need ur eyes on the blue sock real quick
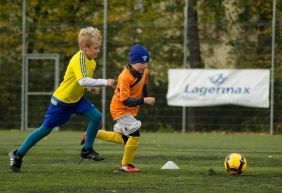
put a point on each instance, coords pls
(32, 139)
(95, 119)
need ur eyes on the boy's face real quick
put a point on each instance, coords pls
(92, 51)
(140, 67)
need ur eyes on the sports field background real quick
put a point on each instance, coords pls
(52, 165)
(221, 34)
(224, 35)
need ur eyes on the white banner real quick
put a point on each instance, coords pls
(208, 87)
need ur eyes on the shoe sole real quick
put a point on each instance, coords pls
(129, 171)
(101, 159)
(14, 169)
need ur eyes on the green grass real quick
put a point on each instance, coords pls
(52, 165)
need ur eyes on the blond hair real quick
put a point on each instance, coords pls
(89, 36)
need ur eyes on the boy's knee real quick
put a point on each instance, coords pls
(133, 141)
(45, 130)
(99, 115)
(96, 116)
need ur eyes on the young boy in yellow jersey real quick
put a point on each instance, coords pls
(68, 99)
(130, 93)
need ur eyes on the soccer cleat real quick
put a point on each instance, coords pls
(129, 168)
(15, 161)
(90, 154)
(83, 138)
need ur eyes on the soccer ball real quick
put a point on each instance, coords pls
(235, 163)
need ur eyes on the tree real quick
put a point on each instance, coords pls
(193, 35)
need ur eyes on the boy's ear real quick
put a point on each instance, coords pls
(83, 48)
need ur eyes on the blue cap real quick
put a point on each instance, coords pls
(138, 54)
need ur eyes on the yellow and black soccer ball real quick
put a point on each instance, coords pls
(235, 163)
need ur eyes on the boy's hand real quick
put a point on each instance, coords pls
(111, 83)
(94, 90)
(149, 100)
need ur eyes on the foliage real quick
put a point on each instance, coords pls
(232, 34)
(10, 62)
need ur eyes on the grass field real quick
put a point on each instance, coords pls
(52, 165)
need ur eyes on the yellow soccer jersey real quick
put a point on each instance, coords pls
(79, 67)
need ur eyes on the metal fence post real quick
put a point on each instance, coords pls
(272, 67)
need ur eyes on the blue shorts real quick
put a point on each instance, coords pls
(59, 112)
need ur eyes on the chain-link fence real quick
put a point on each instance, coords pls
(229, 36)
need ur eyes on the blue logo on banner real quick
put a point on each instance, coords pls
(218, 79)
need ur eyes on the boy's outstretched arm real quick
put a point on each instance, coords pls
(133, 102)
(91, 82)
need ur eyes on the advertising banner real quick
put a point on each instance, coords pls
(208, 87)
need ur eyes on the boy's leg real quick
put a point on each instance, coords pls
(115, 136)
(110, 136)
(54, 116)
(129, 126)
(87, 151)
(129, 150)
(128, 156)
(17, 155)
(32, 139)
(94, 117)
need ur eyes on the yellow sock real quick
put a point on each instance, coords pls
(129, 150)
(110, 136)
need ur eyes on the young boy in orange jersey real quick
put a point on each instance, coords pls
(68, 99)
(130, 93)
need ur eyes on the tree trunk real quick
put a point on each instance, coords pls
(194, 57)
(193, 36)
